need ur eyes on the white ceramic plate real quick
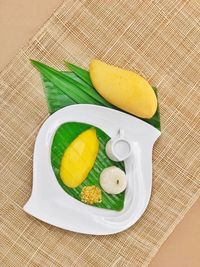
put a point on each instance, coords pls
(51, 204)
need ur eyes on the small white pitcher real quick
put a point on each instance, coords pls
(118, 148)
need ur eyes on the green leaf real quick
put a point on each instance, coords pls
(155, 120)
(76, 90)
(56, 99)
(84, 75)
(63, 137)
(81, 73)
(68, 88)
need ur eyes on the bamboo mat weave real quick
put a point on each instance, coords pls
(161, 41)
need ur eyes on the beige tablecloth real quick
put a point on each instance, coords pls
(158, 39)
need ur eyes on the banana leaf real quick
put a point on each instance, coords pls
(56, 99)
(75, 87)
(84, 75)
(79, 92)
(155, 120)
(64, 135)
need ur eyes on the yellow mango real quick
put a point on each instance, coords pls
(79, 158)
(124, 89)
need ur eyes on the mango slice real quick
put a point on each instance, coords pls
(124, 89)
(79, 158)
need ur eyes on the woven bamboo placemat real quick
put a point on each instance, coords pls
(161, 41)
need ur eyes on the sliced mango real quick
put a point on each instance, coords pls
(124, 89)
(79, 158)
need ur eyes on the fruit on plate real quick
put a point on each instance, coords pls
(79, 158)
(91, 194)
(113, 180)
(124, 89)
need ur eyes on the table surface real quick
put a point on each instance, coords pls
(19, 21)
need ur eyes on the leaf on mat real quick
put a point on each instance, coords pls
(73, 87)
(81, 73)
(67, 88)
